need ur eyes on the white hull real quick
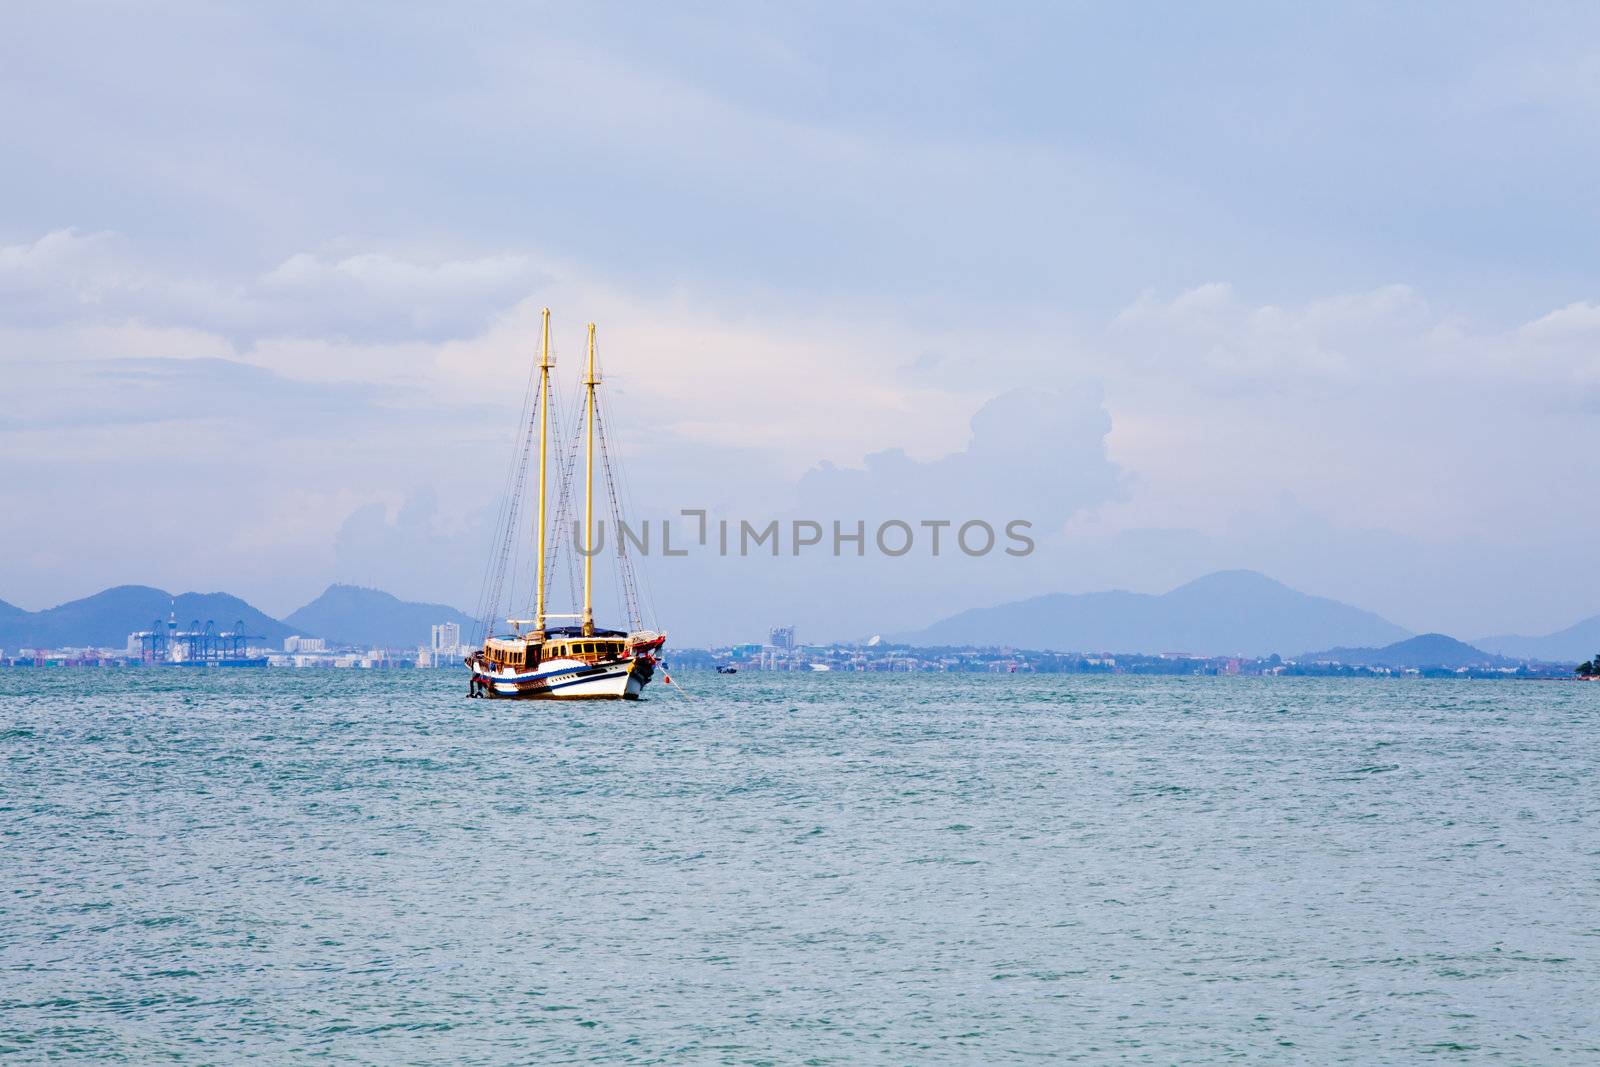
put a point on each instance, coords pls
(566, 679)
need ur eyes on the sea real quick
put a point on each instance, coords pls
(284, 866)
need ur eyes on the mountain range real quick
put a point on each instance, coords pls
(105, 619)
(1576, 643)
(343, 614)
(1226, 613)
(1424, 650)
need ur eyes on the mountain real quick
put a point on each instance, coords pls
(344, 614)
(1226, 613)
(106, 619)
(1574, 644)
(1424, 650)
(371, 618)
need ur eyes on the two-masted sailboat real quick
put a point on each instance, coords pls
(582, 661)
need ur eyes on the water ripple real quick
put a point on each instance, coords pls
(274, 866)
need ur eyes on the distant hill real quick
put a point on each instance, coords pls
(1226, 613)
(106, 619)
(371, 618)
(10, 611)
(1573, 645)
(1424, 650)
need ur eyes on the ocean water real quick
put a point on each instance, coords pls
(369, 868)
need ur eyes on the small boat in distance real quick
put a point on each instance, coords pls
(580, 661)
(727, 668)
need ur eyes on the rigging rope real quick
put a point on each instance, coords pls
(625, 574)
(509, 528)
(647, 599)
(506, 521)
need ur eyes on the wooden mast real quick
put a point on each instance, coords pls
(544, 426)
(588, 498)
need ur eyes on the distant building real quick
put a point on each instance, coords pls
(446, 639)
(781, 637)
(304, 644)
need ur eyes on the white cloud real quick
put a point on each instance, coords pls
(71, 277)
(1405, 433)
(377, 295)
(65, 275)
(464, 330)
(1216, 341)
(1580, 320)
(393, 375)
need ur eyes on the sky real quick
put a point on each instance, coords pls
(1306, 291)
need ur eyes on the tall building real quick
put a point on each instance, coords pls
(446, 638)
(781, 637)
(304, 644)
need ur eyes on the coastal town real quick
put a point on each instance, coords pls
(782, 653)
(444, 648)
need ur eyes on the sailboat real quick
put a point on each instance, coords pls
(578, 660)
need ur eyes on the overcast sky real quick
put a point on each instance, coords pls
(1312, 292)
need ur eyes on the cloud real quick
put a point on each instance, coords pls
(1211, 338)
(463, 330)
(1424, 450)
(397, 376)
(1035, 454)
(103, 394)
(808, 238)
(416, 549)
(69, 277)
(1032, 455)
(378, 296)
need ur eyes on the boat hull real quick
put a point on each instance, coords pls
(566, 680)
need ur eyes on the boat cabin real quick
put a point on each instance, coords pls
(523, 654)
